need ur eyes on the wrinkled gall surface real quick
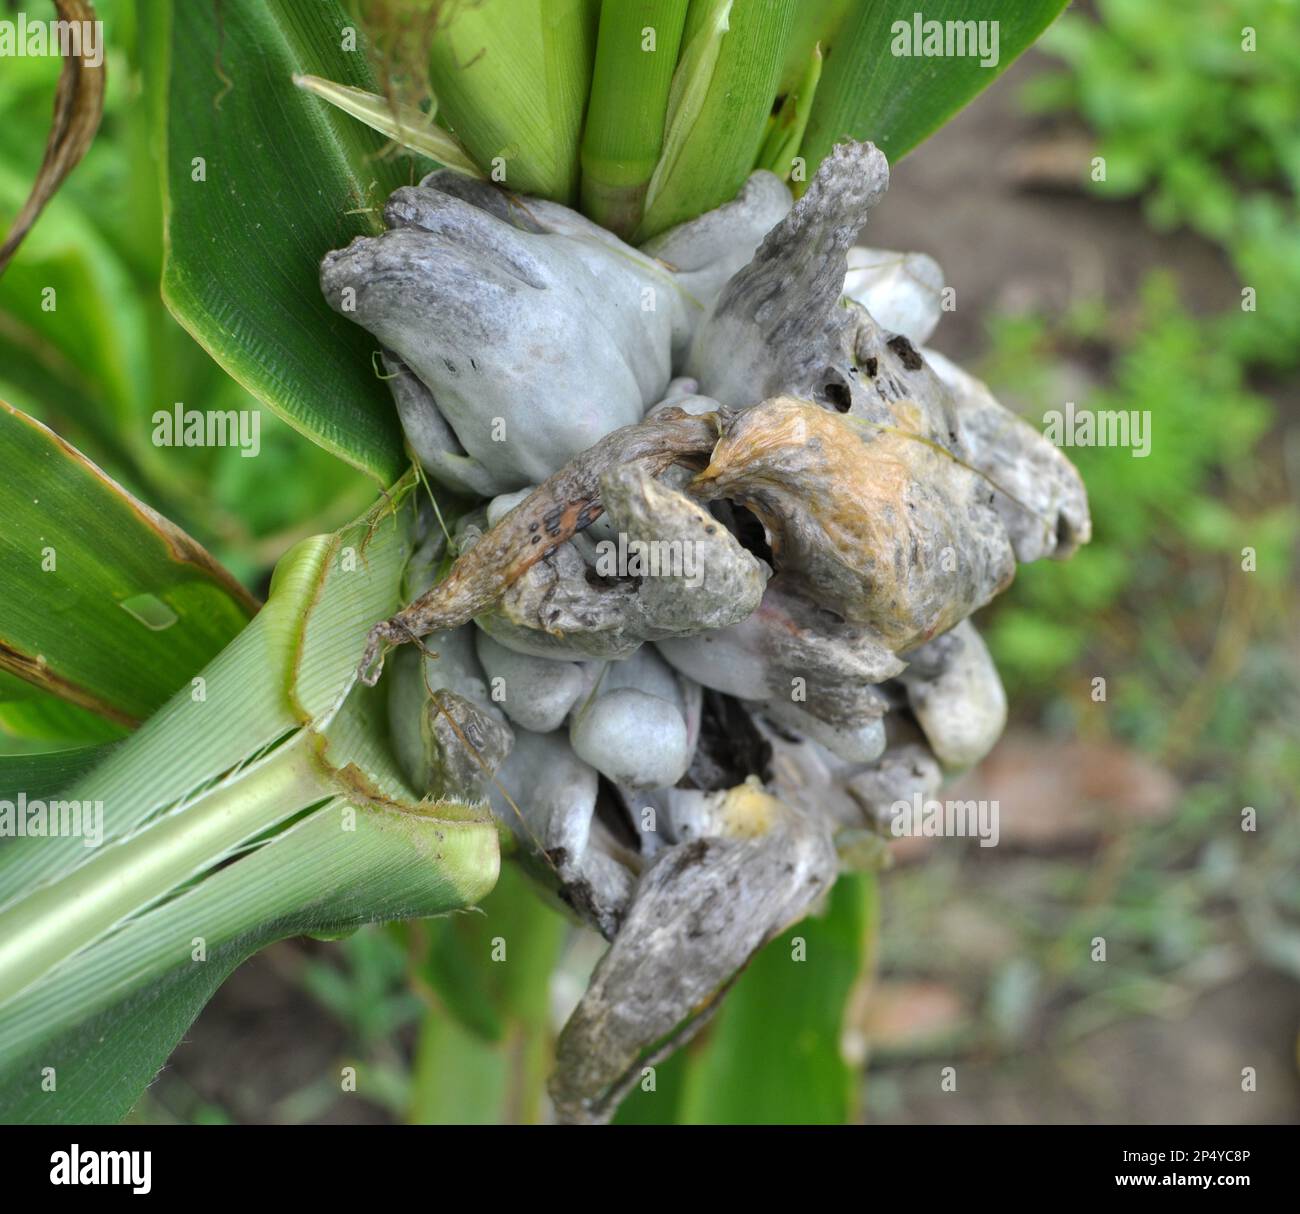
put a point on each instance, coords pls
(711, 618)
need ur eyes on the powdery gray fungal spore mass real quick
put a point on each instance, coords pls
(705, 630)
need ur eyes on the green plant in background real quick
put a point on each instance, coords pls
(1203, 128)
(1201, 678)
(1149, 511)
(249, 787)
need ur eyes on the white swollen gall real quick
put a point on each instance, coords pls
(902, 291)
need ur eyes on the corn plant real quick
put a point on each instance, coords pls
(562, 283)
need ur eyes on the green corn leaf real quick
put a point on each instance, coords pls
(815, 21)
(636, 56)
(403, 124)
(71, 327)
(722, 95)
(782, 144)
(32, 720)
(487, 984)
(294, 819)
(512, 78)
(260, 180)
(45, 773)
(75, 342)
(108, 605)
(657, 1099)
(869, 91)
(689, 89)
(490, 1037)
(222, 724)
(457, 1078)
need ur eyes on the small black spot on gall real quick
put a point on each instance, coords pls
(837, 395)
(906, 352)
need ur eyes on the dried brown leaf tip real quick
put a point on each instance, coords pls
(78, 107)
